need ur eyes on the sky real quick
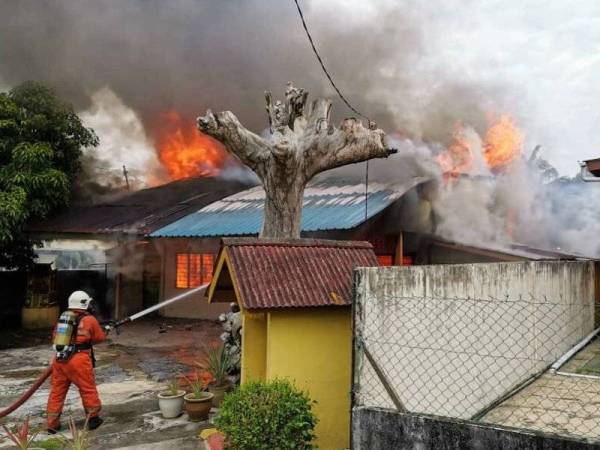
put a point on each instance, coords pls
(415, 67)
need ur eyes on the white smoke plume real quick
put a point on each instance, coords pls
(123, 143)
(414, 67)
(520, 207)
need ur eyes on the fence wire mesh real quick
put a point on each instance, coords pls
(485, 359)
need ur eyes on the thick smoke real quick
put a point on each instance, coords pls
(413, 160)
(182, 54)
(192, 55)
(414, 67)
(125, 150)
(521, 206)
(125, 139)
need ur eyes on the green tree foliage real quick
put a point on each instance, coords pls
(269, 415)
(41, 140)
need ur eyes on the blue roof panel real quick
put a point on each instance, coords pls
(327, 206)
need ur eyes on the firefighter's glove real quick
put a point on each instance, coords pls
(112, 325)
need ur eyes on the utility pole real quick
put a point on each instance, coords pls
(125, 173)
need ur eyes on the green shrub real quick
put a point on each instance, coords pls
(49, 444)
(270, 415)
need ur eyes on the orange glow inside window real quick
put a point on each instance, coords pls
(193, 269)
(385, 260)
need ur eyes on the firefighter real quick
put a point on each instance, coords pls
(73, 338)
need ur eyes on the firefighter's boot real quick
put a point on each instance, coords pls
(94, 422)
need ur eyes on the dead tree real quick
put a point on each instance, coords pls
(301, 144)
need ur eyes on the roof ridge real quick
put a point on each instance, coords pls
(287, 242)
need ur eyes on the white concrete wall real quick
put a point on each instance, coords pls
(453, 338)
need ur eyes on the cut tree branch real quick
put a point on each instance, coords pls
(302, 143)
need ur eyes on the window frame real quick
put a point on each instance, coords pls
(202, 263)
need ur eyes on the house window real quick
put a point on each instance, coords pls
(385, 260)
(194, 269)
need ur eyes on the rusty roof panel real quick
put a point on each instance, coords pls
(140, 212)
(296, 273)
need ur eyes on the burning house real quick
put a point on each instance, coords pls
(333, 209)
(492, 194)
(147, 246)
(103, 249)
(396, 218)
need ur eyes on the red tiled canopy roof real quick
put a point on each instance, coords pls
(293, 273)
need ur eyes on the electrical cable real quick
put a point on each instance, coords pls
(312, 44)
(352, 108)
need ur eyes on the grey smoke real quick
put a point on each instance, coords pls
(192, 55)
(521, 207)
(414, 67)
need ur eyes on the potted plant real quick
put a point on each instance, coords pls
(170, 401)
(218, 364)
(198, 402)
(21, 437)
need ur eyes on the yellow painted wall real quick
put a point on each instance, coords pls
(313, 348)
(254, 346)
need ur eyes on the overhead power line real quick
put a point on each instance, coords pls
(312, 44)
(344, 99)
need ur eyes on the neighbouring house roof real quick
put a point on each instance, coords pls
(593, 165)
(288, 273)
(507, 252)
(140, 212)
(328, 205)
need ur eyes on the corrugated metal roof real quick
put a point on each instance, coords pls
(328, 205)
(295, 273)
(509, 251)
(142, 211)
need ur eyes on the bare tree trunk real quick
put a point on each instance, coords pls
(283, 211)
(301, 144)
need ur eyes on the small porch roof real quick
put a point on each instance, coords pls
(287, 273)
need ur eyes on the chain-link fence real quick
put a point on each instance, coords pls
(490, 359)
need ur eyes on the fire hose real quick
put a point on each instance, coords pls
(23, 398)
(112, 325)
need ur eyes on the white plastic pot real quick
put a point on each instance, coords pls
(171, 406)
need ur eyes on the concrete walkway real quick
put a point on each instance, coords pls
(566, 404)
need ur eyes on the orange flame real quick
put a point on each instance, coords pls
(186, 152)
(502, 146)
(458, 157)
(503, 143)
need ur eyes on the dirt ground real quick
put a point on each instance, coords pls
(131, 368)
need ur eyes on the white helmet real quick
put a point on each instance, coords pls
(79, 300)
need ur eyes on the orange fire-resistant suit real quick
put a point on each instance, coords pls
(77, 370)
